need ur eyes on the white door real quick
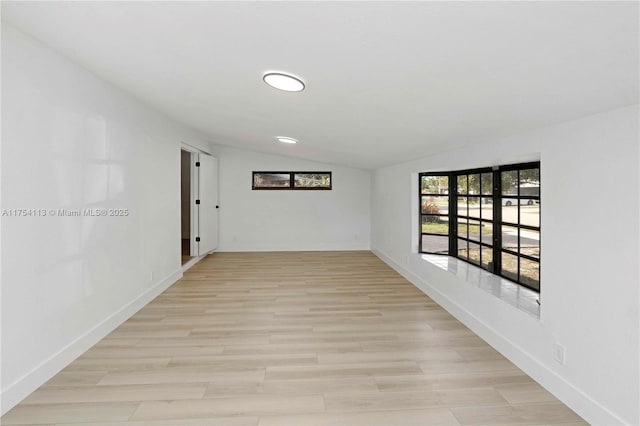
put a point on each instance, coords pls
(207, 205)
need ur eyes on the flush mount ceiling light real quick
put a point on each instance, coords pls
(285, 139)
(282, 81)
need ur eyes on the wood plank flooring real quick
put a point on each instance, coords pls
(312, 338)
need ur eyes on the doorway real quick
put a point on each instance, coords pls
(198, 205)
(185, 205)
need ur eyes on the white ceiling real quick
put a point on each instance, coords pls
(386, 81)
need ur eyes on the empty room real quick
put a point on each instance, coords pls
(320, 213)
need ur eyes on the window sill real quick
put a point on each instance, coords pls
(513, 294)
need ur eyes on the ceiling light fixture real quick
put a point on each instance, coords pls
(282, 81)
(285, 139)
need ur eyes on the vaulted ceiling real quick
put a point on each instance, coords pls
(386, 81)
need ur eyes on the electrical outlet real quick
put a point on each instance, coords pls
(559, 353)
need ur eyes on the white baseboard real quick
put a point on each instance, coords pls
(574, 398)
(24, 386)
(193, 261)
(271, 247)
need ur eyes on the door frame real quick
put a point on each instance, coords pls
(193, 211)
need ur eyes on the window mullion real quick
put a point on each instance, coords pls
(420, 212)
(453, 211)
(497, 221)
(519, 222)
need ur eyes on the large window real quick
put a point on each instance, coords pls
(489, 217)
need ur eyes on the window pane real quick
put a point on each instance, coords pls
(510, 238)
(312, 180)
(487, 183)
(474, 253)
(434, 184)
(530, 243)
(530, 182)
(435, 224)
(510, 210)
(486, 208)
(530, 213)
(486, 232)
(510, 183)
(442, 202)
(271, 180)
(462, 206)
(530, 273)
(474, 184)
(487, 258)
(510, 266)
(474, 206)
(462, 184)
(462, 249)
(474, 230)
(429, 205)
(462, 227)
(435, 244)
(432, 204)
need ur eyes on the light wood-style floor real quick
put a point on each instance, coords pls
(323, 338)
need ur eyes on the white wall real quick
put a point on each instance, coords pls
(291, 220)
(72, 141)
(589, 269)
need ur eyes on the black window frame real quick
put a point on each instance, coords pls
(494, 244)
(422, 195)
(292, 182)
